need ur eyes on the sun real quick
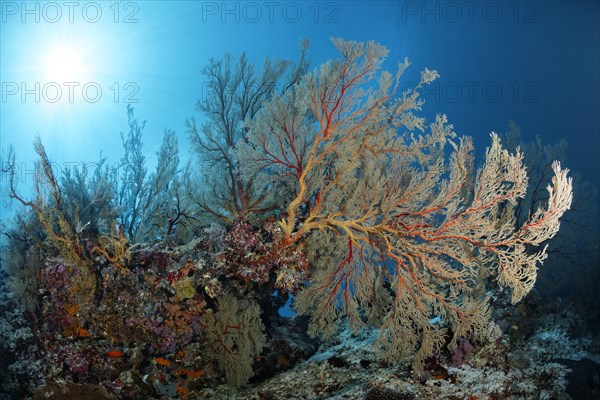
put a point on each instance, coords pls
(65, 63)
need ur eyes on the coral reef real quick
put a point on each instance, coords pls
(328, 194)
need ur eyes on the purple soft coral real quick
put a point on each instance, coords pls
(460, 353)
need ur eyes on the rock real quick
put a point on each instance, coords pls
(72, 391)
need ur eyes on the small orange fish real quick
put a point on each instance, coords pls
(82, 333)
(194, 373)
(115, 353)
(162, 361)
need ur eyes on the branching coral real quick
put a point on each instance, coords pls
(237, 94)
(411, 231)
(57, 224)
(114, 249)
(236, 332)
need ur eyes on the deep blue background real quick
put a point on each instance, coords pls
(534, 62)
